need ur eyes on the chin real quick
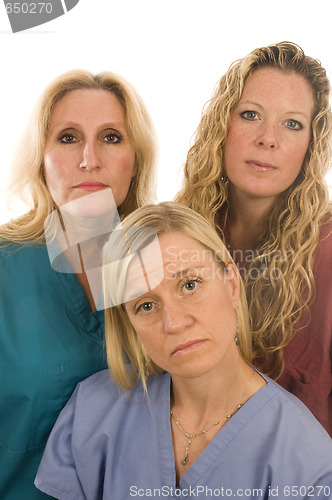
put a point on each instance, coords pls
(258, 191)
(193, 370)
(91, 204)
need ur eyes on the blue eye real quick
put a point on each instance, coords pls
(191, 285)
(294, 125)
(249, 115)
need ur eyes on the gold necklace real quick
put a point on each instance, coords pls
(191, 436)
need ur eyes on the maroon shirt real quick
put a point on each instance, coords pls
(308, 366)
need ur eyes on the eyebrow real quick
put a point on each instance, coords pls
(64, 125)
(262, 107)
(250, 102)
(141, 294)
(186, 270)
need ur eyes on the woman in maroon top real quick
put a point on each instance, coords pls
(257, 171)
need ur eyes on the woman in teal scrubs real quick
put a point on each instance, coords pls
(90, 134)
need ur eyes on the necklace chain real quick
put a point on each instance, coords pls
(191, 436)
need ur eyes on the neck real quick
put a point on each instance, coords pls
(90, 254)
(201, 406)
(247, 218)
(195, 400)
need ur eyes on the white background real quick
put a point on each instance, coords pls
(173, 52)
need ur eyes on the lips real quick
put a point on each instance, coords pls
(261, 166)
(91, 186)
(190, 346)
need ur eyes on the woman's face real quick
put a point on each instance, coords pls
(88, 147)
(269, 133)
(187, 323)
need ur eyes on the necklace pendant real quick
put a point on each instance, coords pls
(185, 460)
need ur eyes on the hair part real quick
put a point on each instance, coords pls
(27, 179)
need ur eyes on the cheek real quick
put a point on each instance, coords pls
(235, 141)
(235, 132)
(50, 172)
(149, 334)
(54, 167)
(58, 177)
(151, 344)
(127, 164)
(302, 149)
(140, 329)
(296, 154)
(221, 314)
(123, 161)
(119, 174)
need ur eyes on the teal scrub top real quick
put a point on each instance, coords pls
(49, 341)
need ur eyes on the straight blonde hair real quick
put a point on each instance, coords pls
(122, 342)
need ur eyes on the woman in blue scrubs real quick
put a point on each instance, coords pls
(89, 135)
(188, 417)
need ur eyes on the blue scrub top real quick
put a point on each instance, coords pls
(49, 341)
(112, 445)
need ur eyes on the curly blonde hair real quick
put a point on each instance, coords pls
(135, 233)
(27, 179)
(275, 305)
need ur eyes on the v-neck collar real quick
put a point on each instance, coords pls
(210, 457)
(91, 323)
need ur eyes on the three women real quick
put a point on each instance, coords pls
(256, 171)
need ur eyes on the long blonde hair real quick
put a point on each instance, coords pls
(122, 342)
(274, 305)
(27, 177)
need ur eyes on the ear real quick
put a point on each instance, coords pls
(233, 283)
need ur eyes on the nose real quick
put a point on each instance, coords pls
(267, 137)
(175, 317)
(90, 160)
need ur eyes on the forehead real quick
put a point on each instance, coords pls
(162, 260)
(278, 86)
(180, 248)
(80, 104)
